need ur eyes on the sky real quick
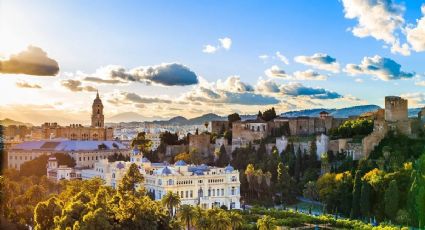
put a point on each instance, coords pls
(166, 58)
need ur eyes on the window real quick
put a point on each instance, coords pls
(79, 158)
(213, 192)
(187, 194)
(191, 193)
(233, 191)
(209, 192)
(181, 194)
(159, 182)
(222, 192)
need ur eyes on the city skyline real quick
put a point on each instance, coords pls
(190, 58)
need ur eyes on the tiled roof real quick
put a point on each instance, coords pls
(67, 145)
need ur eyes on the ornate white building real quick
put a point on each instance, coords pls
(195, 184)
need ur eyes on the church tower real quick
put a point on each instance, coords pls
(97, 117)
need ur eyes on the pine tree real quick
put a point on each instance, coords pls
(391, 200)
(131, 179)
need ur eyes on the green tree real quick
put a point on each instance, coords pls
(130, 180)
(235, 219)
(266, 223)
(365, 198)
(96, 220)
(219, 219)
(45, 213)
(355, 204)
(223, 158)
(171, 201)
(186, 215)
(391, 198)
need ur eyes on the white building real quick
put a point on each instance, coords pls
(61, 172)
(85, 153)
(195, 184)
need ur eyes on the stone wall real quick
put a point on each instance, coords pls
(200, 143)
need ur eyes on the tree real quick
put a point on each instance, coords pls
(171, 201)
(131, 179)
(298, 165)
(266, 223)
(269, 114)
(233, 117)
(141, 143)
(235, 219)
(45, 213)
(310, 191)
(223, 159)
(37, 166)
(365, 199)
(186, 214)
(219, 219)
(96, 220)
(355, 204)
(391, 198)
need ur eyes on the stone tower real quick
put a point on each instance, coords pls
(396, 114)
(97, 117)
(395, 109)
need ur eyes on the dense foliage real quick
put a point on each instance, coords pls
(393, 174)
(37, 166)
(353, 128)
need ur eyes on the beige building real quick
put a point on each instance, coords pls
(85, 153)
(96, 132)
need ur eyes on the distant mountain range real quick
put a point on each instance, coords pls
(7, 122)
(341, 113)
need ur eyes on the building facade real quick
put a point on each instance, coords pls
(85, 153)
(195, 184)
(96, 132)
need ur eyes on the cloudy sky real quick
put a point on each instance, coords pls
(167, 58)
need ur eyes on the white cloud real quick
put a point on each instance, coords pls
(275, 71)
(319, 61)
(359, 80)
(378, 19)
(416, 35)
(226, 43)
(415, 99)
(209, 49)
(380, 67)
(309, 75)
(282, 58)
(223, 43)
(263, 57)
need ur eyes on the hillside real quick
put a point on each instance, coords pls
(7, 122)
(342, 113)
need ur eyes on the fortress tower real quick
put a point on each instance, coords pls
(97, 117)
(396, 114)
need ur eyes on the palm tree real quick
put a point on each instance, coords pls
(266, 223)
(235, 219)
(171, 201)
(220, 220)
(202, 222)
(186, 214)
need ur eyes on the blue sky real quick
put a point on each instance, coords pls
(83, 36)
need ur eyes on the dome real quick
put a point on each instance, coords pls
(180, 163)
(229, 168)
(165, 171)
(145, 160)
(120, 165)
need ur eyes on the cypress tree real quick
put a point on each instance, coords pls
(365, 199)
(391, 200)
(355, 204)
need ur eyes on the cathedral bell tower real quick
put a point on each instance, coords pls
(97, 117)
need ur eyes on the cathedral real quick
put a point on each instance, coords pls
(96, 132)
